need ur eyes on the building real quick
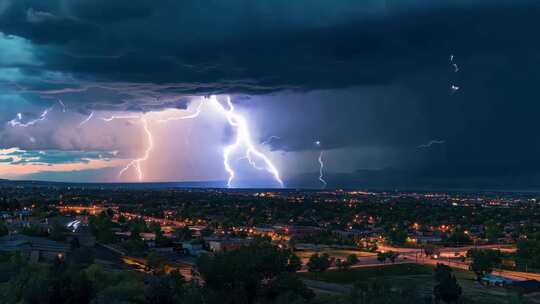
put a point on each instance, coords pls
(36, 249)
(220, 245)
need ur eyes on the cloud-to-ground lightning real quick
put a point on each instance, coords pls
(454, 88)
(431, 143)
(87, 119)
(321, 170)
(456, 67)
(17, 122)
(243, 138)
(136, 163)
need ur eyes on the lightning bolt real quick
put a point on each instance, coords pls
(243, 138)
(136, 163)
(321, 170)
(85, 121)
(17, 121)
(431, 143)
(63, 105)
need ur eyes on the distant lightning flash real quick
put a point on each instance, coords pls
(63, 105)
(136, 163)
(17, 121)
(431, 143)
(321, 170)
(243, 138)
(87, 119)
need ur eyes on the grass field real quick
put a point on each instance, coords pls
(421, 276)
(366, 273)
(334, 253)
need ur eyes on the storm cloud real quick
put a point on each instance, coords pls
(354, 75)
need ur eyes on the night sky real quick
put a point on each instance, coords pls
(395, 93)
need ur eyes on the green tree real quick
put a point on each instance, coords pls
(295, 263)
(318, 263)
(101, 227)
(249, 274)
(493, 231)
(352, 259)
(447, 288)
(483, 261)
(164, 288)
(397, 236)
(155, 262)
(3, 229)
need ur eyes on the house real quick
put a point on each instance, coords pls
(36, 249)
(220, 245)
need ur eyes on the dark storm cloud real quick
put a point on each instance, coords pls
(143, 55)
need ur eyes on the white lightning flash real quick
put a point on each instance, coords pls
(321, 170)
(243, 138)
(63, 105)
(431, 143)
(87, 119)
(17, 122)
(454, 88)
(136, 163)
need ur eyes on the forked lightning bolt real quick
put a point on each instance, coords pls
(243, 138)
(136, 163)
(18, 123)
(321, 170)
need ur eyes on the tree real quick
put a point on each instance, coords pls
(155, 262)
(397, 236)
(528, 251)
(3, 229)
(318, 263)
(447, 288)
(101, 227)
(459, 237)
(295, 263)
(483, 261)
(381, 257)
(493, 231)
(165, 288)
(58, 231)
(249, 274)
(352, 259)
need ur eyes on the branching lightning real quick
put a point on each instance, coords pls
(321, 170)
(243, 138)
(17, 122)
(136, 163)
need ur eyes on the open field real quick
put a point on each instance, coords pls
(421, 276)
(336, 253)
